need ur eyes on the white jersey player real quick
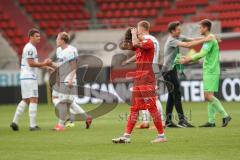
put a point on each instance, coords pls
(62, 101)
(29, 84)
(145, 113)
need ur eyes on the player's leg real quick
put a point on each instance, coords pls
(33, 104)
(145, 120)
(137, 103)
(76, 109)
(170, 101)
(33, 113)
(56, 102)
(62, 108)
(211, 113)
(160, 110)
(132, 120)
(210, 84)
(155, 114)
(19, 111)
(217, 106)
(178, 100)
(149, 98)
(70, 122)
(25, 92)
(145, 116)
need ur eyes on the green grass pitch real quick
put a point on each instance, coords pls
(95, 144)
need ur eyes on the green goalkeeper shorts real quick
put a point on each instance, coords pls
(211, 82)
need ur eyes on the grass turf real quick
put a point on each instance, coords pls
(95, 143)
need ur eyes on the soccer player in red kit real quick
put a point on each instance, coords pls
(143, 94)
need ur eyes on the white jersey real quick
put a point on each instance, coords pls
(156, 48)
(66, 55)
(27, 72)
(156, 52)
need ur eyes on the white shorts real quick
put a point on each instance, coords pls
(29, 88)
(68, 98)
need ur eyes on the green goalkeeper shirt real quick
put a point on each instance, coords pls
(210, 52)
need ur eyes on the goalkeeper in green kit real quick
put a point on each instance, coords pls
(211, 74)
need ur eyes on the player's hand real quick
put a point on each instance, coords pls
(50, 69)
(134, 31)
(48, 62)
(183, 60)
(69, 83)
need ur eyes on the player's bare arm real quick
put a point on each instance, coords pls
(194, 42)
(46, 62)
(135, 40)
(193, 58)
(50, 69)
(198, 41)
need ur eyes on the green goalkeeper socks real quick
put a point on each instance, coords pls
(218, 106)
(211, 113)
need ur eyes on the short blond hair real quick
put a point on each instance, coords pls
(64, 36)
(144, 24)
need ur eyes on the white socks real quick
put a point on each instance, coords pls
(33, 114)
(62, 109)
(127, 135)
(61, 122)
(19, 111)
(146, 116)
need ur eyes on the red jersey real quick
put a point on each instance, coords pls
(144, 60)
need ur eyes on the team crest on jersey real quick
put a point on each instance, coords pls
(206, 46)
(30, 53)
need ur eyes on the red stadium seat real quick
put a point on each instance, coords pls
(140, 5)
(126, 13)
(144, 13)
(10, 33)
(12, 25)
(153, 13)
(192, 3)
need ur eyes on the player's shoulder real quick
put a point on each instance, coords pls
(172, 39)
(209, 44)
(147, 40)
(29, 46)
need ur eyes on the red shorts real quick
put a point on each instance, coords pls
(143, 97)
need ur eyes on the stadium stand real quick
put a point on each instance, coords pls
(15, 25)
(52, 16)
(226, 11)
(10, 31)
(8, 56)
(119, 14)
